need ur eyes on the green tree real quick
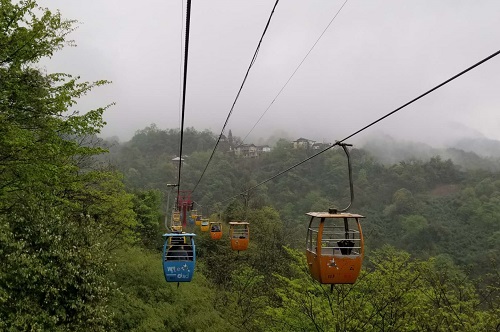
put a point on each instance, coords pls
(56, 208)
(143, 301)
(147, 209)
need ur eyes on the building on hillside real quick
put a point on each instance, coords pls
(250, 150)
(303, 143)
(320, 146)
(246, 151)
(263, 149)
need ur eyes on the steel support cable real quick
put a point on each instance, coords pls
(180, 70)
(296, 69)
(180, 65)
(186, 48)
(237, 95)
(367, 126)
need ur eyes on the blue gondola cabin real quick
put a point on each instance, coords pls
(179, 257)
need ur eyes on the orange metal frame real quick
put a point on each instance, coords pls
(335, 267)
(239, 233)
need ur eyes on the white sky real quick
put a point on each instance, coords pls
(376, 56)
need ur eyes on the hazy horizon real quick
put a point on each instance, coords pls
(374, 58)
(390, 148)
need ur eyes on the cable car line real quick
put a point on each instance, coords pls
(179, 249)
(368, 126)
(296, 69)
(180, 66)
(186, 48)
(180, 71)
(237, 95)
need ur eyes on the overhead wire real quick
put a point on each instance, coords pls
(186, 49)
(237, 95)
(367, 126)
(295, 71)
(180, 71)
(180, 64)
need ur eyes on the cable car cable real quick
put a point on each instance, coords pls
(180, 65)
(179, 250)
(296, 69)
(237, 95)
(367, 126)
(180, 71)
(186, 48)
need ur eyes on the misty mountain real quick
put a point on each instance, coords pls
(476, 153)
(483, 147)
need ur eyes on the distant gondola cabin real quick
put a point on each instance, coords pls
(176, 228)
(179, 257)
(239, 233)
(205, 225)
(198, 220)
(176, 216)
(176, 223)
(216, 230)
(335, 247)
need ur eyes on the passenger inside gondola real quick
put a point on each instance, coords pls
(345, 246)
(176, 254)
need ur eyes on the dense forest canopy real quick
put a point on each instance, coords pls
(443, 215)
(80, 227)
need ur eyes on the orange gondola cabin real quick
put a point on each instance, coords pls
(239, 233)
(215, 230)
(335, 247)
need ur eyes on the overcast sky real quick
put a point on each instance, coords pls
(376, 56)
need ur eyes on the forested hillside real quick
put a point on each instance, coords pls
(80, 227)
(431, 227)
(429, 207)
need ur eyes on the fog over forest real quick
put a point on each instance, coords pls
(389, 150)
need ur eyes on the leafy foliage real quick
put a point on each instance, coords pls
(144, 302)
(59, 212)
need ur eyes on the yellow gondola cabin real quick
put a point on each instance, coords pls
(176, 216)
(205, 225)
(176, 223)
